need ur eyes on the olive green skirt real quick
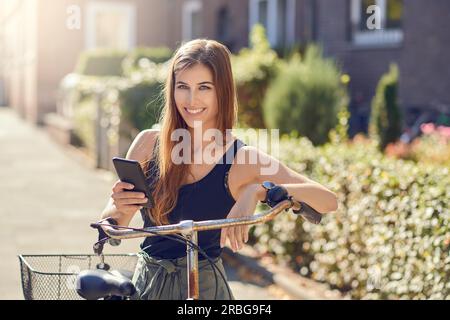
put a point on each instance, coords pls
(167, 279)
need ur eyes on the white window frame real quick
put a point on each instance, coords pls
(189, 8)
(381, 37)
(272, 20)
(92, 8)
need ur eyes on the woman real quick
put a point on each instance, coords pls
(200, 99)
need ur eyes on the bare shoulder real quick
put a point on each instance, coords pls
(142, 146)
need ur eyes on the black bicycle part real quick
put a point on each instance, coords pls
(96, 284)
(103, 237)
(279, 193)
(309, 213)
(275, 195)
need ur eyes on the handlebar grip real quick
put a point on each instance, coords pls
(309, 213)
(280, 193)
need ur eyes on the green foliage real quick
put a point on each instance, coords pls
(134, 101)
(306, 96)
(286, 52)
(141, 57)
(385, 119)
(142, 104)
(340, 133)
(389, 238)
(84, 126)
(253, 69)
(101, 63)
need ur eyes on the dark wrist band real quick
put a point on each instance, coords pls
(268, 185)
(276, 195)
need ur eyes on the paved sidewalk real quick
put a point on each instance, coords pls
(48, 197)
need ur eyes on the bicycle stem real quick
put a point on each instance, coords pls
(192, 267)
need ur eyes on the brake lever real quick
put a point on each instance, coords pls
(103, 237)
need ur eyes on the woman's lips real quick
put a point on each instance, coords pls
(194, 112)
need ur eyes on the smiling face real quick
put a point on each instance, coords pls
(195, 96)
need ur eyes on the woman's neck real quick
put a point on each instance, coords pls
(199, 144)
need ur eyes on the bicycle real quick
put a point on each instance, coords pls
(105, 284)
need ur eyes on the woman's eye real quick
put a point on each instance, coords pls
(205, 87)
(182, 87)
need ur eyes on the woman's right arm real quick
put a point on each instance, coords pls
(123, 205)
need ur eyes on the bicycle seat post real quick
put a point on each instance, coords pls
(192, 259)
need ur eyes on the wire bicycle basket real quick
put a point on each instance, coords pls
(53, 276)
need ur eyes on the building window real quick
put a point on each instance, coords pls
(277, 17)
(224, 25)
(281, 23)
(192, 23)
(262, 12)
(110, 25)
(376, 22)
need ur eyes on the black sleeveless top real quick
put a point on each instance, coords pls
(206, 199)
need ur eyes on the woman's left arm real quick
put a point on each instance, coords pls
(314, 194)
(268, 168)
(301, 188)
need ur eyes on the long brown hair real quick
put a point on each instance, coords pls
(169, 176)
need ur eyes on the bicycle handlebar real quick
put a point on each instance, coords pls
(187, 226)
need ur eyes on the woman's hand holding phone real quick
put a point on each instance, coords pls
(127, 202)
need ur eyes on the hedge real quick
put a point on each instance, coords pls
(101, 63)
(389, 238)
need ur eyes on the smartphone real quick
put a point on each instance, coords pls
(130, 171)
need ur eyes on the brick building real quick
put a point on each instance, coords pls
(37, 48)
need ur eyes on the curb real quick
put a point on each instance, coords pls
(296, 286)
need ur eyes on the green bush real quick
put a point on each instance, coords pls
(385, 119)
(142, 98)
(253, 69)
(84, 124)
(101, 63)
(137, 100)
(141, 57)
(142, 104)
(306, 96)
(286, 52)
(389, 238)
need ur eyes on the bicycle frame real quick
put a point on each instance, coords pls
(190, 229)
